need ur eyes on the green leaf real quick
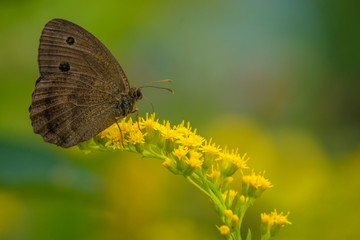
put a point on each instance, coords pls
(227, 199)
(90, 146)
(238, 204)
(216, 191)
(155, 149)
(150, 154)
(248, 237)
(204, 182)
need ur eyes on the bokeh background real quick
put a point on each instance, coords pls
(278, 79)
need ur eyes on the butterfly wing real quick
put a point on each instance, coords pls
(66, 109)
(73, 99)
(65, 46)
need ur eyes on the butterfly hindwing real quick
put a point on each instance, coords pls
(65, 111)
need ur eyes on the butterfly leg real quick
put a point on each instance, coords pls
(121, 136)
(137, 118)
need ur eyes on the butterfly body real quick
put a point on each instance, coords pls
(127, 103)
(81, 90)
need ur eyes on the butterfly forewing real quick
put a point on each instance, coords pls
(73, 99)
(67, 47)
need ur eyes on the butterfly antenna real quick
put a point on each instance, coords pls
(152, 105)
(160, 88)
(165, 80)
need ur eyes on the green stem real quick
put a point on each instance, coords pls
(198, 186)
(233, 236)
(210, 194)
(241, 217)
(265, 236)
(237, 235)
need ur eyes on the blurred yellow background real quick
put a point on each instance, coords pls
(278, 79)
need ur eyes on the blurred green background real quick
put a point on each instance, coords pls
(278, 79)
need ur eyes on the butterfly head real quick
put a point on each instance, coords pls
(138, 94)
(134, 95)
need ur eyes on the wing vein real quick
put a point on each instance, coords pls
(67, 125)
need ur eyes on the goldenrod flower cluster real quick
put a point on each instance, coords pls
(271, 223)
(254, 185)
(206, 165)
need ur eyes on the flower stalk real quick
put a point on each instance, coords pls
(204, 164)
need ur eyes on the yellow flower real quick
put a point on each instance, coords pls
(191, 140)
(180, 152)
(149, 124)
(231, 161)
(228, 180)
(195, 154)
(187, 137)
(104, 133)
(228, 213)
(169, 133)
(171, 165)
(194, 162)
(214, 175)
(232, 195)
(166, 131)
(127, 126)
(135, 137)
(210, 153)
(167, 162)
(224, 230)
(254, 185)
(243, 199)
(184, 131)
(113, 137)
(234, 220)
(271, 223)
(210, 149)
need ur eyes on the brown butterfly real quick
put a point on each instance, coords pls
(81, 90)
